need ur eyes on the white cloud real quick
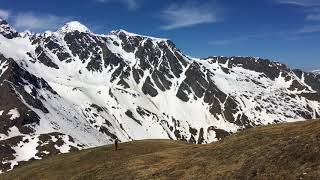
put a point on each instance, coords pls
(131, 4)
(310, 29)
(305, 3)
(4, 14)
(33, 22)
(189, 14)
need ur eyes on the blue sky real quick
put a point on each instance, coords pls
(284, 30)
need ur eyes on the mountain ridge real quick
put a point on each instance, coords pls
(95, 88)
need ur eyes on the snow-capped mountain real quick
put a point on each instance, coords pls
(316, 71)
(72, 89)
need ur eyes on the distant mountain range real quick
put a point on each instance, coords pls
(72, 89)
(316, 71)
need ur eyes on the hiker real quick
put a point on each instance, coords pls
(116, 144)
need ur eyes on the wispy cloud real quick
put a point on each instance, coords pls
(305, 3)
(224, 42)
(296, 34)
(313, 17)
(312, 11)
(313, 14)
(37, 22)
(4, 14)
(310, 29)
(189, 14)
(131, 4)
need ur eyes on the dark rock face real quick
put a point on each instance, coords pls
(43, 58)
(85, 46)
(130, 114)
(148, 88)
(269, 68)
(107, 132)
(11, 92)
(297, 86)
(195, 81)
(313, 81)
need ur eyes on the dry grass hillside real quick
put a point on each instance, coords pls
(283, 151)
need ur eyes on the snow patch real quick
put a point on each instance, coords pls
(14, 114)
(116, 32)
(3, 67)
(25, 150)
(66, 147)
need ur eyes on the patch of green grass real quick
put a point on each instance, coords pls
(283, 151)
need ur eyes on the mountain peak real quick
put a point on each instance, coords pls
(6, 30)
(74, 26)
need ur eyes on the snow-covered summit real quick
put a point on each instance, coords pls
(6, 30)
(77, 26)
(74, 26)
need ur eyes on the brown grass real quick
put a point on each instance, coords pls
(285, 151)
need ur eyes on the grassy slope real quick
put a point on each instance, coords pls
(277, 151)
